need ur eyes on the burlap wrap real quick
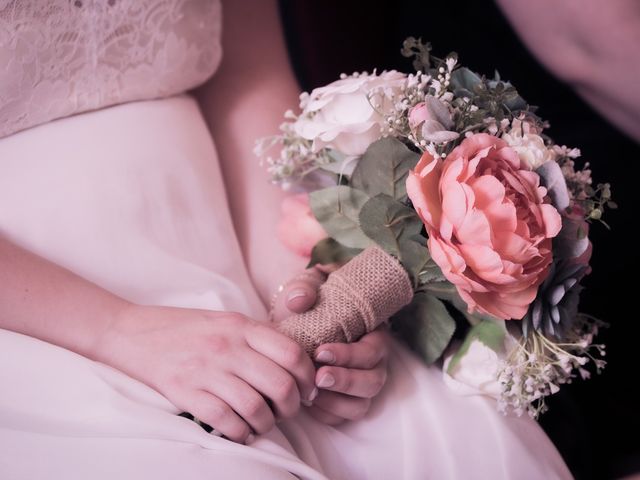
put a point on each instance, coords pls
(354, 300)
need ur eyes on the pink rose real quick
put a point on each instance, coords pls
(489, 222)
(298, 229)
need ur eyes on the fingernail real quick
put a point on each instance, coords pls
(326, 381)
(314, 394)
(325, 356)
(297, 293)
(250, 439)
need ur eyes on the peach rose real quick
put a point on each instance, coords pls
(489, 221)
(298, 229)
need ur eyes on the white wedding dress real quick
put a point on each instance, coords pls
(108, 169)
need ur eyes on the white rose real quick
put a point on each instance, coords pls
(477, 371)
(340, 115)
(524, 139)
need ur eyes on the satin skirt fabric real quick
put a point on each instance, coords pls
(132, 198)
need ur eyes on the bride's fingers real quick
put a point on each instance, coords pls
(215, 412)
(299, 294)
(272, 381)
(245, 401)
(366, 353)
(343, 406)
(286, 353)
(353, 382)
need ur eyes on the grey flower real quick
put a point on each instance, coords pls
(556, 306)
(551, 177)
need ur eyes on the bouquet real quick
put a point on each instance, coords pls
(452, 213)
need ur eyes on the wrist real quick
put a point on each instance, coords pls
(103, 346)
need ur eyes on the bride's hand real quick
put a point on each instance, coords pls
(353, 374)
(300, 293)
(225, 369)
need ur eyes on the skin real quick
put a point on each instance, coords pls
(591, 45)
(190, 356)
(349, 376)
(234, 373)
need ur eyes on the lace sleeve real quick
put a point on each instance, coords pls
(63, 57)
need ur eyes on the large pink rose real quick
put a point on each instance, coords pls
(298, 229)
(489, 222)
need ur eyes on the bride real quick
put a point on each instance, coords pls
(135, 271)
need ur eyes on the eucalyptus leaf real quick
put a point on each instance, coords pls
(328, 251)
(442, 290)
(465, 82)
(447, 291)
(384, 167)
(341, 164)
(395, 228)
(413, 256)
(337, 209)
(388, 222)
(426, 325)
(508, 94)
(488, 332)
(431, 273)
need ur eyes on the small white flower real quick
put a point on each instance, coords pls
(564, 151)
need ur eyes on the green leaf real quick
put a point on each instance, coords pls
(384, 168)
(413, 256)
(431, 272)
(341, 164)
(328, 251)
(465, 82)
(426, 325)
(488, 332)
(395, 227)
(337, 209)
(389, 222)
(447, 291)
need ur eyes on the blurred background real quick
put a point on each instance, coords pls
(595, 424)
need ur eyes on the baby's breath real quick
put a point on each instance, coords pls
(296, 157)
(538, 366)
(396, 119)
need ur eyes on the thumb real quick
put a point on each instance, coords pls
(299, 294)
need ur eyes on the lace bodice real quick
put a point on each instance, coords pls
(62, 57)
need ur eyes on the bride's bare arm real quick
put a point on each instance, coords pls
(220, 366)
(43, 300)
(245, 100)
(590, 44)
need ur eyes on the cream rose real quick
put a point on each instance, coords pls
(340, 115)
(524, 139)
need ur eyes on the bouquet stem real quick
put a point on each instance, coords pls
(354, 300)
